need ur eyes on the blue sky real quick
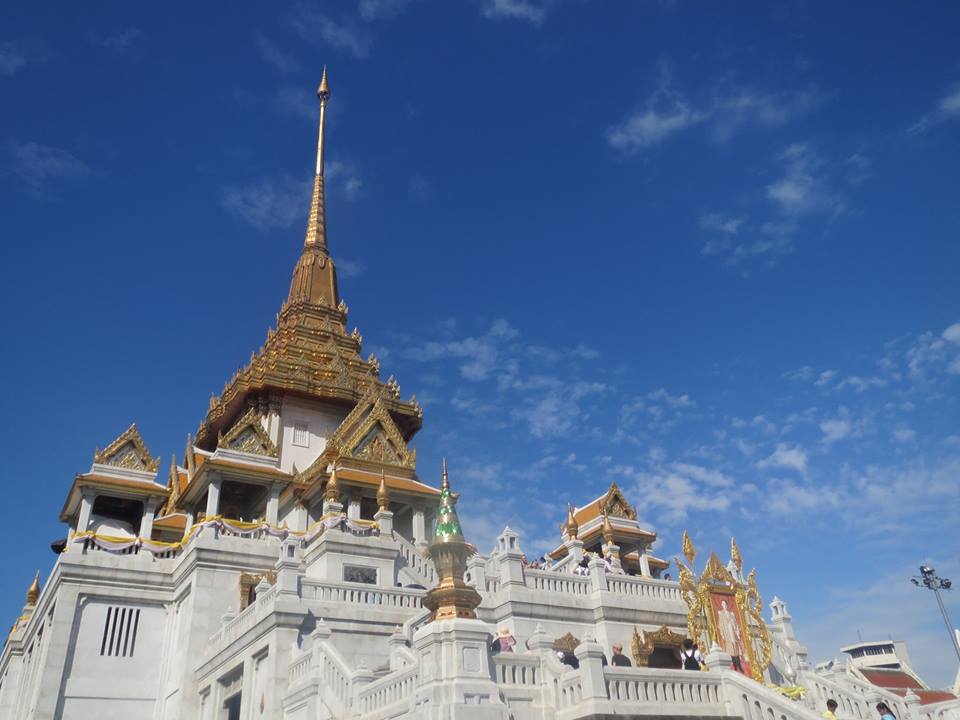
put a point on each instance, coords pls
(710, 256)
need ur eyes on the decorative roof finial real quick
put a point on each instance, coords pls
(33, 592)
(445, 482)
(607, 530)
(332, 493)
(383, 495)
(688, 550)
(572, 529)
(735, 555)
(317, 222)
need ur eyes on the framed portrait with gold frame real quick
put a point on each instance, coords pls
(725, 608)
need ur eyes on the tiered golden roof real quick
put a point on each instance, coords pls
(310, 352)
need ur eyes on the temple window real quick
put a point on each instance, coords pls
(301, 435)
(116, 516)
(240, 501)
(368, 508)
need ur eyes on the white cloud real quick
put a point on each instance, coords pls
(346, 176)
(825, 377)
(952, 333)
(666, 113)
(121, 41)
(904, 435)
(786, 456)
(268, 204)
(37, 165)
(721, 223)
(352, 268)
(312, 25)
(947, 108)
(786, 497)
(381, 9)
(284, 62)
(861, 384)
(514, 10)
(801, 188)
(834, 430)
(12, 59)
(743, 107)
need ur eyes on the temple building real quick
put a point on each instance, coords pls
(292, 563)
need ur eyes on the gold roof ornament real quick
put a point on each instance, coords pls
(735, 555)
(571, 529)
(128, 451)
(332, 492)
(689, 551)
(452, 597)
(33, 592)
(607, 530)
(383, 495)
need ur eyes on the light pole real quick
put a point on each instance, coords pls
(928, 579)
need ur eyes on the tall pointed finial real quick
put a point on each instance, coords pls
(688, 550)
(383, 495)
(33, 592)
(735, 554)
(445, 482)
(317, 222)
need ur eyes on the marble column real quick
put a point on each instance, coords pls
(87, 497)
(146, 522)
(273, 505)
(419, 526)
(213, 497)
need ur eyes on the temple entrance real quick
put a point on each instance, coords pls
(663, 657)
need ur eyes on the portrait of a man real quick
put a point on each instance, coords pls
(731, 632)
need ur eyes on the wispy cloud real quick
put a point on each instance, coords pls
(346, 34)
(947, 108)
(38, 165)
(346, 176)
(284, 62)
(12, 58)
(668, 112)
(527, 10)
(269, 203)
(350, 269)
(121, 41)
(791, 457)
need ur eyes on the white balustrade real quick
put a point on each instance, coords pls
(395, 688)
(361, 594)
(556, 582)
(643, 587)
(522, 670)
(415, 560)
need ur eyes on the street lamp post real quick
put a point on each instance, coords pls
(928, 579)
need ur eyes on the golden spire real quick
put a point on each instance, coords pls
(317, 223)
(607, 530)
(332, 493)
(571, 528)
(735, 554)
(315, 278)
(445, 481)
(383, 495)
(688, 549)
(33, 592)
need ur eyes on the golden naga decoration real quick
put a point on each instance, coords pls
(383, 495)
(452, 597)
(725, 611)
(644, 643)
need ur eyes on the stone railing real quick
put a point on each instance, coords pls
(855, 699)
(522, 670)
(947, 710)
(643, 587)
(752, 701)
(298, 668)
(360, 594)
(422, 566)
(699, 693)
(335, 677)
(556, 582)
(250, 616)
(387, 693)
(491, 585)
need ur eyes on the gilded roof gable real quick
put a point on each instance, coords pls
(247, 435)
(128, 451)
(369, 433)
(612, 503)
